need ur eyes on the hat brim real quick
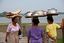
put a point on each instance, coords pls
(14, 16)
(52, 14)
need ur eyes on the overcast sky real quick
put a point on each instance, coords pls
(30, 5)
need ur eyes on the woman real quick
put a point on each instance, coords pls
(35, 33)
(62, 26)
(12, 31)
(51, 29)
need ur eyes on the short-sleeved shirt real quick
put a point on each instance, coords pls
(35, 34)
(12, 28)
(52, 29)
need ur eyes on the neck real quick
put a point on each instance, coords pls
(14, 23)
(50, 23)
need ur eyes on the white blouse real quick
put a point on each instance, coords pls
(12, 28)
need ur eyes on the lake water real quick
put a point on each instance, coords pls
(57, 19)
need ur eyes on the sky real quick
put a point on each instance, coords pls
(31, 5)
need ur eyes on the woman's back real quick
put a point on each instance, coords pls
(35, 34)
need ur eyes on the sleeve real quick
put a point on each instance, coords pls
(8, 28)
(18, 26)
(58, 26)
(47, 29)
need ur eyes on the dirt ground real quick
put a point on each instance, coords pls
(2, 38)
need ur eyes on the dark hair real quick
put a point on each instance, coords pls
(35, 21)
(13, 19)
(50, 18)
